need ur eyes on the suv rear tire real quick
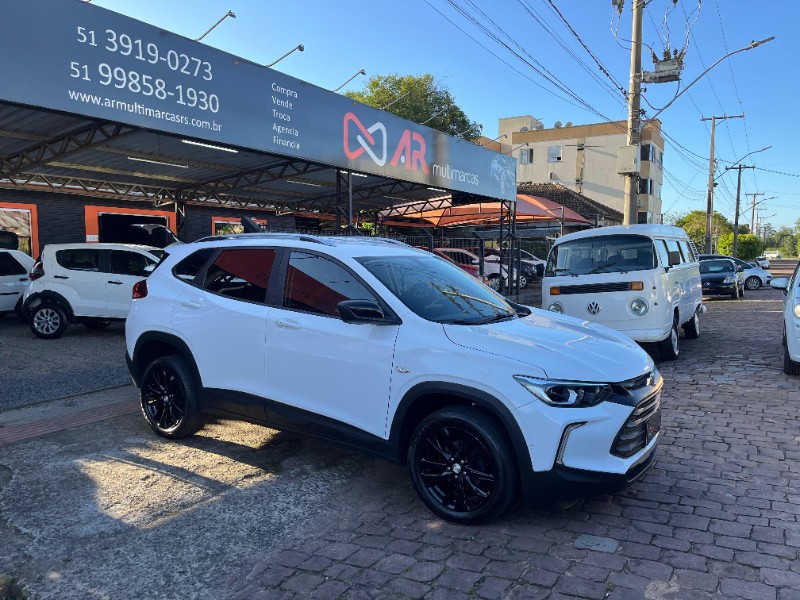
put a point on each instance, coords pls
(48, 321)
(169, 398)
(462, 465)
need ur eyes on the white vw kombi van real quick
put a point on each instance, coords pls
(642, 280)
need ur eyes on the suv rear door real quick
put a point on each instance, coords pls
(126, 267)
(77, 275)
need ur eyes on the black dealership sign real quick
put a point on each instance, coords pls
(71, 56)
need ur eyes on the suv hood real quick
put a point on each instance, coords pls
(563, 347)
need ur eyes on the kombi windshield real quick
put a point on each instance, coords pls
(601, 254)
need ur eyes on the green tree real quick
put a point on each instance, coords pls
(420, 99)
(748, 245)
(694, 223)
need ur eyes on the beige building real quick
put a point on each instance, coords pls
(583, 158)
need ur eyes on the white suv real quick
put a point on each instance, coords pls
(14, 267)
(84, 283)
(392, 350)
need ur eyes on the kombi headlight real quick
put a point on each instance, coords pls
(796, 310)
(639, 307)
(729, 279)
(556, 308)
(566, 393)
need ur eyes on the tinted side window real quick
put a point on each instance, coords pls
(316, 284)
(241, 273)
(79, 259)
(129, 263)
(10, 266)
(189, 267)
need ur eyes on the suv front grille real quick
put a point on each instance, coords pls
(640, 428)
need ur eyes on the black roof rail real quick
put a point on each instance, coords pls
(302, 237)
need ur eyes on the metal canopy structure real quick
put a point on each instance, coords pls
(44, 150)
(115, 107)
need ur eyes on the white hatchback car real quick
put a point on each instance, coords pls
(791, 320)
(14, 268)
(389, 349)
(84, 283)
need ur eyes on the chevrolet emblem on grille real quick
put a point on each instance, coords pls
(593, 308)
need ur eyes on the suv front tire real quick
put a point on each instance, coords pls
(462, 465)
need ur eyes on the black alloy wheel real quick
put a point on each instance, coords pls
(169, 398)
(462, 465)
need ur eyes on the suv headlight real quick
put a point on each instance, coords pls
(567, 394)
(639, 307)
(556, 308)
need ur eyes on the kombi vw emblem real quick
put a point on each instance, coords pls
(593, 308)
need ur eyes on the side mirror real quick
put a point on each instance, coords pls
(781, 283)
(739, 269)
(674, 258)
(363, 311)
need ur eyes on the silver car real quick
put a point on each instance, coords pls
(754, 277)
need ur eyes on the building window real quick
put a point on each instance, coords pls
(526, 156)
(647, 152)
(554, 154)
(645, 186)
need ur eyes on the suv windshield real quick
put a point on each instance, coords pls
(439, 291)
(601, 254)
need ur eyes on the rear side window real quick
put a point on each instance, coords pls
(189, 267)
(316, 284)
(79, 259)
(687, 252)
(124, 262)
(10, 266)
(241, 273)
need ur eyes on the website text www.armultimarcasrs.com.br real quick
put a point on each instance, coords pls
(141, 109)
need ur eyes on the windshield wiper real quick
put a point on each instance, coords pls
(564, 272)
(476, 299)
(605, 265)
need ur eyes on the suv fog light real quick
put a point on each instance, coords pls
(639, 307)
(556, 308)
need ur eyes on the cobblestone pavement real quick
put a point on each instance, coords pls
(716, 517)
(105, 509)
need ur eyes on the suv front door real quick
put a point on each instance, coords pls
(326, 366)
(13, 279)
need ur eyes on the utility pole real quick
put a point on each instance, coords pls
(753, 213)
(736, 214)
(710, 196)
(630, 212)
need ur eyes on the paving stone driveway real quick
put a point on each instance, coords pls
(716, 517)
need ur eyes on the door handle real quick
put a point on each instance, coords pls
(191, 304)
(115, 282)
(60, 277)
(289, 324)
(23, 279)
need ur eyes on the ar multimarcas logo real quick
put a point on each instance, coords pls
(410, 150)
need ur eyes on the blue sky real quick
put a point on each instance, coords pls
(432, 36)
